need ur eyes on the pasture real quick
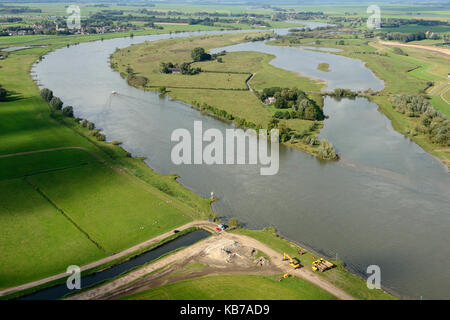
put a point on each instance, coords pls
(236, 287)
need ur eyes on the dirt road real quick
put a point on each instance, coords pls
(275, 258)
(416, 46)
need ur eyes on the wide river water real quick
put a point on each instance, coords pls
(386, 203)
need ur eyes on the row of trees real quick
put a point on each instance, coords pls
(57, 105)
(298, 103)
(432, 123)
(185, 68)
(56, 102)
(198, 55)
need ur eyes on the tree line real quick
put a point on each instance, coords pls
(56, 106)
(294, 102)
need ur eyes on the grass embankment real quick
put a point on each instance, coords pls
(325, 67)
(406, 73)
(338, 276)
(222, 84)
(64, 207)
(236, 287)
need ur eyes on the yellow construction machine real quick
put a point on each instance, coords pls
(293, 262)
(321, 265)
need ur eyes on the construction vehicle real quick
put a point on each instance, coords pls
(293, 262)
(321, 265)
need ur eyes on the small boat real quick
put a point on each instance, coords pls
(114, 92)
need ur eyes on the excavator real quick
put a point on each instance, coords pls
(293, 262)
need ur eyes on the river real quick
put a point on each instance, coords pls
(386, 203)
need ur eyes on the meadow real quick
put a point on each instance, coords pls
(69, 204)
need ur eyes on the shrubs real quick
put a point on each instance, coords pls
(3, 94)
(199, 54)
(233, 223)
(47, 94)
(300, 105)
(432, 123)
(326, 151)
(68, 111)
(56, 103)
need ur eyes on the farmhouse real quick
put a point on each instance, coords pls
(174, 70)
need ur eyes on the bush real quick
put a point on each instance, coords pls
(47, 94)
(90, 125)
(56, 103)
(199, 54)
(68, 111)
(100, 137)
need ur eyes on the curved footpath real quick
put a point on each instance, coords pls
(275, 258)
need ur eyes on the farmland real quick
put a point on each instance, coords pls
(236, 287)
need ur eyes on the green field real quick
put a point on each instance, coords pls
(236, 287)
(36, 241)
(69, 204)
(114, 211)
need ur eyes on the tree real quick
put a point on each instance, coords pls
(47, 94)
(326, 151)
(3, 94)
(68, 111)
(90, 125)
(56, 103)
(199, 54)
